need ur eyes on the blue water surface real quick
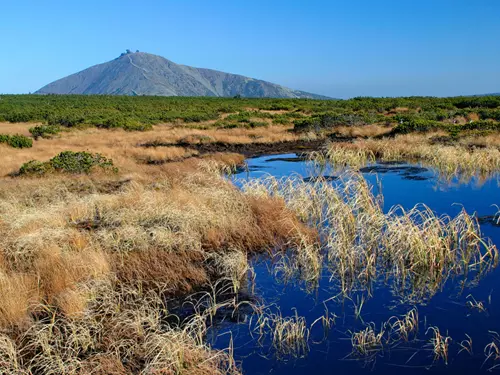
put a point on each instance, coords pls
(446, 310)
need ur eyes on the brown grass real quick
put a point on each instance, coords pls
(461, 159)
(80, 255)
(366, 131)
(17, 127)
(87, 262)
(123, 147)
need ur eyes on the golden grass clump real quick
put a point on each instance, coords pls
(368, 342)
(404, 328)
(125, 149)
(365, 131)
(290, 335)
(439, 344)
(455, 160)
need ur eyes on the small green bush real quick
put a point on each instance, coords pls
(67, 119)
(44, 131)
(416, 125)
(79, 162)
(129, 124)
(137, 126)
(35, 167)
(281, 120)
(16, 141)
(257, 124)
(68, 162)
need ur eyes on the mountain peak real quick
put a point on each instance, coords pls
(141, 73)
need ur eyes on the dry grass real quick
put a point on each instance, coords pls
(416, 249)
(366, 131)
(449, 161)
(86, 262)
(17, 128)
(368, 342)
(161, 155)
(290, 335)
(78, 255)
(492, 351)
(404, 328)
(123, 147)
(440, 344)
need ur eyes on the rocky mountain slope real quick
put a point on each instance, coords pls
(142, 73)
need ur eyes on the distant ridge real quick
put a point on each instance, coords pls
(491, 94)
(139, 73)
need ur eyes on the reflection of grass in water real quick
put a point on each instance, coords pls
(415, 249)
(450, 161)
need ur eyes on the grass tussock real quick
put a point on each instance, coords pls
(439, 344)
(290, 335)
(453, 160)
(371, 342)
(366, 131)
(368, 342)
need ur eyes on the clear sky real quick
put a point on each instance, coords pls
(336, 48)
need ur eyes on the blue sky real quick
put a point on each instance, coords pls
(336, 48)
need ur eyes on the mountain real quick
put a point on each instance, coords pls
(142, 73)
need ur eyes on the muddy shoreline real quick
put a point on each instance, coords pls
(251, 150)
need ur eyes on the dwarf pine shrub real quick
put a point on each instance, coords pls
(44, 131)
(16, 141)
(68, 162)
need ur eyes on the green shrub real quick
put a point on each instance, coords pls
(79, 162)
(281, 120)
(44, 131)
(325, 121)
(137, 126)
(111, 122)
(199, 117)
(129, 124)
(18, 116)
(481, 125)
(16, 141)
(35, 167)
(68, 120)
(68, 162)
(416, 125)
(223, 124)
(137, 113)
(257, 124)
(307, 124)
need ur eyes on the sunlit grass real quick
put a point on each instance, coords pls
(449, 160)
(415, 249)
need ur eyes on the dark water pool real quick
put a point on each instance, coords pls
(402, 184)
